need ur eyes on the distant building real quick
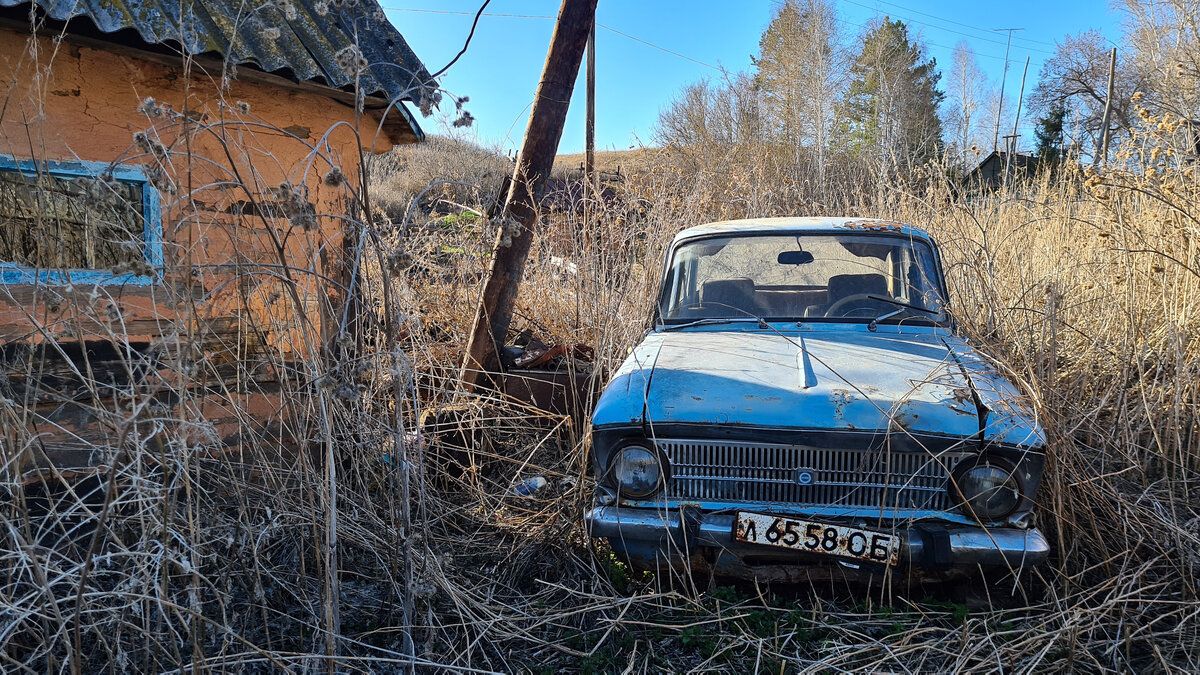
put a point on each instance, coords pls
(1193, 138)
(989, 174)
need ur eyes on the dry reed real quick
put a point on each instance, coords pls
(179, 555)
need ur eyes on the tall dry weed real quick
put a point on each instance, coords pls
(1084, 285)
(345, 540)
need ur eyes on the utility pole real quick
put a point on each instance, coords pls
(1102, 155)
(1017, 118)
(1012, 151)
(589, 171)
(519, 216)
(1003, 80)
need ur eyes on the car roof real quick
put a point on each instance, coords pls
(808, 225)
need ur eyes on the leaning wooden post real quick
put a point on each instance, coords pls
(1103, 149)
(494, 314)
(589, 143)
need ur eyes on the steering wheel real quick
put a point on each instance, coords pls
(857, 297)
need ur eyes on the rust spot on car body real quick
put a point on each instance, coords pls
(841, 399)
(873, 225)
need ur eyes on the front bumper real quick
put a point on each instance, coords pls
(652, 537)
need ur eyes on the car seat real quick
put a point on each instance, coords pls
(729, 298)
(845, 285)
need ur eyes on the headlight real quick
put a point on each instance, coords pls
(637, 471)
(987, 489)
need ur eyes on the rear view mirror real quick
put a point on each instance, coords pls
(795, 258)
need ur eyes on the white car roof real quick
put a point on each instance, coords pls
(806, 225)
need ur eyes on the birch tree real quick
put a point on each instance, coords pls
(800, 73)
(891, 107)
(963, 113)
(1164, 43)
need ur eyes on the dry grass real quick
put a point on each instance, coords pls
(1086, 286)
(447, 175)
(637, 160)
(185, 557)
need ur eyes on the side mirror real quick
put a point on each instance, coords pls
(795, 258)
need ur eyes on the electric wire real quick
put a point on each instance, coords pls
(910, 20)
(719, 69)
(623, 34)
(959, 23)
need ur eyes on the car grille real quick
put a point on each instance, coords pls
(768, 473)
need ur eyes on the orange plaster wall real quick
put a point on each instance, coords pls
(70, 102)
(80, 103)
(224, 285)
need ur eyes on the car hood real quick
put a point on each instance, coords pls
(921, 383)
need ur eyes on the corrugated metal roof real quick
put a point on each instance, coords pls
(300, 39)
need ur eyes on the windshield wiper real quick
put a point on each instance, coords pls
(899, 303)
(716, 321)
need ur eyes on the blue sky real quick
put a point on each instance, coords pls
(689, 41)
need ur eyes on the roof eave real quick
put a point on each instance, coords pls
(306, 48)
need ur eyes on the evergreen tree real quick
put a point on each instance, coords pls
(1049, 134)
(891, 108)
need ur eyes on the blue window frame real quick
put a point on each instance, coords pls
(150, 211)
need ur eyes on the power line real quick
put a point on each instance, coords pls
(651, 44)
(543, 16)
(719, 69)
(447, 11)
(958, 23)
(847, 22)
(934, 27)
(948, 30)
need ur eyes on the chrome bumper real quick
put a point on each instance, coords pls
(655, 535)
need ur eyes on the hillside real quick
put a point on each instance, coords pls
(608, 161)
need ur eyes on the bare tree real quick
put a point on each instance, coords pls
(1164, 42)
(801, 74)
(684, 121)
(988, 109)
(1076, 78)
(720, 116)
(963, 115)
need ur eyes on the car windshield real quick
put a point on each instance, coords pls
(843, 277)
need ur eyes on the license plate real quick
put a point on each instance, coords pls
(804, 535)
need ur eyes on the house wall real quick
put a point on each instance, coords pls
(247, 297)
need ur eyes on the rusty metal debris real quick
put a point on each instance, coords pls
(555, 378)
(533, 358)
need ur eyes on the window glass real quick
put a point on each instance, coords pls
(802, 276)
(50, 221)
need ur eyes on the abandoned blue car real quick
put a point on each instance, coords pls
(803, 403)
